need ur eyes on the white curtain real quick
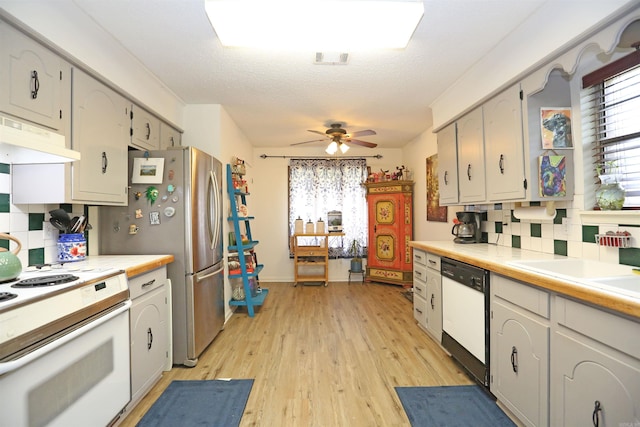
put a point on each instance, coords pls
(317, 186)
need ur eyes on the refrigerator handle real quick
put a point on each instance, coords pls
(206, 276)
(215, 208)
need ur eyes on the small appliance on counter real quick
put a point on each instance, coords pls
(467, 230)
(334, 221)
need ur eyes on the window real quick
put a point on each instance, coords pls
(611, 108)
(317, 186)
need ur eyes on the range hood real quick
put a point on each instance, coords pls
(22, 143)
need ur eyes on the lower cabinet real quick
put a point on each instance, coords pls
(595, 372)
(519, 362)
(150, 325)
(427, 292)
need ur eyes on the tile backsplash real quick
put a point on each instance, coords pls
(564, 235)
(27, 224)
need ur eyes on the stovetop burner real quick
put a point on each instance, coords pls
(6, 296)
(55, 279)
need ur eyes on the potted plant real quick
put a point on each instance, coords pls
(355, 250)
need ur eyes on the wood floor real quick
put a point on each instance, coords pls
(322, 356)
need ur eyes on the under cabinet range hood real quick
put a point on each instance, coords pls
(22, 143)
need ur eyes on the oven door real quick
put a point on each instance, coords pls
(83, 375)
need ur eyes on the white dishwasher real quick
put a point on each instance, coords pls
(465, 323)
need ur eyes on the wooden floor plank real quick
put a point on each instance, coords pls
(322, 356)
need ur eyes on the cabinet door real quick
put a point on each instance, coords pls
(34, 82)
(434, 304)
(149, 340)
(471, 163)
(100, 131)
(520, 364)
(504, 146)
(145, 129)
(169, 137)
(593, 383)
(447, 165)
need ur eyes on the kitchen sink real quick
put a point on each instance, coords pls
(627, 285)
(572, 268)
(610, 277)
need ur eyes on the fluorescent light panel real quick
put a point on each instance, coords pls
(330, 25)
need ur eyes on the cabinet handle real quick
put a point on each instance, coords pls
(36, 84)
(501, 164)
(446, 177)
(595, 417)
(418, 257)
(469, 171)
(432, 262)
(105, 162)
(419, 289)
(418, 310)
(149, 339)
(417, 273)
(433, 306)
(149, 283)
(173, 143)
(148, 131)
(514, 359)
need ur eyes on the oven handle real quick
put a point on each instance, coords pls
(13, 365)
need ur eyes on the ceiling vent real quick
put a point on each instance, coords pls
(331, 58)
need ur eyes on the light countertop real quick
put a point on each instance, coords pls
(497, 259)
(133, 265)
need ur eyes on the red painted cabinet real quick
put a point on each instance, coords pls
(390, 206)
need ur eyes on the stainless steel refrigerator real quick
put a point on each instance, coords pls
(175, 207)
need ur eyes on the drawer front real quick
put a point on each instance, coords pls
(419, 273)
(419, 257)
(420, 310)
(433, 261)
(140, 285)
(521, 294)
(419, 285)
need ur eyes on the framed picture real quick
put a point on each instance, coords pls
(552, 176)
(555, 124)
(147, 170)
(435, 212)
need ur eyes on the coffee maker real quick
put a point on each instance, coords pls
(467, 230)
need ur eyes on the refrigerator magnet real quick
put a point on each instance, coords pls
(147, 170)
(154, 218)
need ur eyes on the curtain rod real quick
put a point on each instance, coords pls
(376, 156)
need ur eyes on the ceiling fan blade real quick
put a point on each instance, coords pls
(361, 143)
(318, 132)
(365, 132)
(306, 142)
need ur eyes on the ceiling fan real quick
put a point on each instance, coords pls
(339, 138)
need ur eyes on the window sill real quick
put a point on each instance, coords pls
(610, 217)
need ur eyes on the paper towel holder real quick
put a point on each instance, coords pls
(547, 212)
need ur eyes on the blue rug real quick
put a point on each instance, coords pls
(451, 406)
(214, 403)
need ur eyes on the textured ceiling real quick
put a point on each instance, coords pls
(274, 97)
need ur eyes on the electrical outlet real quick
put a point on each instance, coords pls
(49, 231)
(506, 217)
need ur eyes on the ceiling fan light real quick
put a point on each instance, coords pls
(295, 24)
(332, 148)
(343, 147)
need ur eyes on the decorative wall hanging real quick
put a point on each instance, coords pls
(552, 176)
(435, 212)
(555, 123)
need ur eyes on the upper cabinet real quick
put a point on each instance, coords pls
(448, 165)
(471, 163)
(34, 81)
(169, 137)
(504, 147)
(145, 129)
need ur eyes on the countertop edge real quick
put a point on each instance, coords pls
(593, 296)
(159, 261)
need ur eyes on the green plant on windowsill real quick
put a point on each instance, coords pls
(355, 250)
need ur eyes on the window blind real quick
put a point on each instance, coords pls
(610, 104)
